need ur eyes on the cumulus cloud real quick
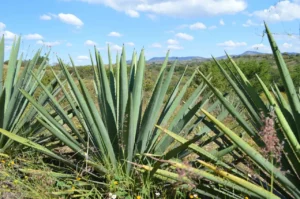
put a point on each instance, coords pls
(186, 8)
(261, 48)
(45, 17)
(172, 42)
(53, 43)
(7, 34)
(90, 43)
(70, 19)
(232, 44)
(69, 44)
(114, 34)
(281, 11)
(222, 23)
(175, 47)
(34, 36)
(249, 23)
(184, 36)
(116, 47)
(132, 13)
(156, 45)
(2, 26)
(287, 45)
(197, 26)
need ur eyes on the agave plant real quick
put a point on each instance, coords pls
(259, 159)
(16, 115)
(274, 164)
(119, 126)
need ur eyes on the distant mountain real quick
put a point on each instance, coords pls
(200, 59)
(189, 58)
(251, 53)
(291, 53)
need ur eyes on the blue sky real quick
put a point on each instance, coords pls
(186, 27)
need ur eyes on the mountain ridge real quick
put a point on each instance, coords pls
(199, 58)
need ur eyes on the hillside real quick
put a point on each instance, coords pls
(201, 59)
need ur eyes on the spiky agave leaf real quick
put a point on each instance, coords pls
(16, 115)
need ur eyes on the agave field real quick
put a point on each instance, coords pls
(66, 140)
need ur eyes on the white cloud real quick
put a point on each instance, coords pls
(116, 47)
(70, 19)
(261, 48)
(34, 36)
(156, 45)
(197, 26)
(172, 42)
(287, 45)
(114, 34)
(232, 44)
(90, 43)
(281, 11)
(222, 23)
(249, 22)
(45, 17)
(2, 26)
(69, 44)
(132, 13)
(83, 57)
(9, 35)
(184, 36)
(130, 43)
(175, 47)
(54, 43)
(186, 8)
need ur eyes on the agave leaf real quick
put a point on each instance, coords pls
(202, 152)
(11, 70)
(135, 106)
(98, 121)
(61, 112)
(172, 153)
(107, 97)
(164, 141)
(1, 62)
(256, 157)
(33, 145)
(286, 79)
(258, 190)
(61, 133)
(112, 81)
(241, 96)
(234, 112)
(167, 111)
(149, 119)
(282, 120)
(123, 88)
(258, 104)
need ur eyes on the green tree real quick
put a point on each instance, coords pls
(41, 59)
